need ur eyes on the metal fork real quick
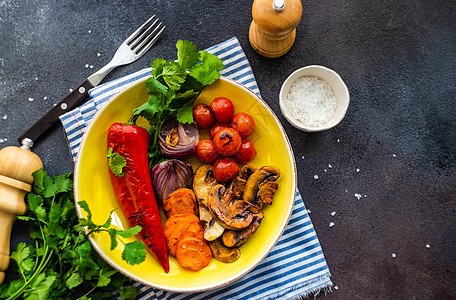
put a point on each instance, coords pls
(135, 46)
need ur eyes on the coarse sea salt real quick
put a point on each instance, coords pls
(311, 101)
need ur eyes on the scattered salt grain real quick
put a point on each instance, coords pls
(31, 99)
(45, 98)
(87, 65)
(393, 255)
(36, 78)
(91, 66)
(70, 90)
(394, 155)
(338, 140)
(325, 170)
(302, 157)
(428, 246)
(357, 170)
(331, 224)
(98, 54)
(2, 140)
(336, 287)
(90, 31)
(329, 166)
(315, 176)
(358, 196)
(5, 117)
(311, 101)
(333, 213)
(308, 211)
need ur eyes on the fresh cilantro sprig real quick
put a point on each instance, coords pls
(174, 86)
(60, 262)
(133, 253)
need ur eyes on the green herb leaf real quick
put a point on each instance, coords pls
(186, 54)
(185, 114)
(128, 292)
(207, 71)
(155, 87)
(116, 162)
(129, 232)
(22, 258)
(134, 253)
(74, 280)
(105, 277)
(174, 75)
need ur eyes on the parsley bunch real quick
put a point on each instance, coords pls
(174, 86)
(60, 263)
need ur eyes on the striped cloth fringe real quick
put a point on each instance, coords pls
(295, 268)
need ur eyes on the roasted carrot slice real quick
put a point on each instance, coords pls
(193, 253)
(195, 230)
(178, 224)
(181, 231)
(181, 201)
(176, 219)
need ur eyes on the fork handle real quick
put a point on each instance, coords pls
(67, 104)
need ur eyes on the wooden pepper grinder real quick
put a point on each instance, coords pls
(16, 167)
(273, 29)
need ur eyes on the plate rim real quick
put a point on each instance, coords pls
(206, 287)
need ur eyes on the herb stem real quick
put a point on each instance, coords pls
(43, 263)
(86, 294)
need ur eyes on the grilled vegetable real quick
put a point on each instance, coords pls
(193, 253)
(176, 225)
(169, 176)
(134, 189)
(260, 187)
(177, 140)
(233, 213)
(231, 238)
(222, 253)
(180, 201)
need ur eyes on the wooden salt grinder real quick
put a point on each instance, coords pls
(16, 167)
(273, 29)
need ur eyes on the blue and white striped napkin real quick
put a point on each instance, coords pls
(295, 267)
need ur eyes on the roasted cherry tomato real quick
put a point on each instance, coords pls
(216, 127)
(246, 153)
(243, 123)
(205, 151)
(225, 169)
(223, 109)
(203, 115)
(227, 141)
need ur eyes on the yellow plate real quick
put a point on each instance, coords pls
(92, 184)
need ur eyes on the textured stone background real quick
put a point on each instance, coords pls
(398, 61)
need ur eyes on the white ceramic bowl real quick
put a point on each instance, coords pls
(337, 85)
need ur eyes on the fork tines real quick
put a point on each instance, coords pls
(142, 39)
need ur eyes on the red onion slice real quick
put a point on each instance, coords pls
(169, 176)
(187, 135)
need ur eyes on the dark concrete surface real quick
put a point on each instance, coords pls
(398, 61)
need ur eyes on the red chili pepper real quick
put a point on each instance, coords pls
(134, 190)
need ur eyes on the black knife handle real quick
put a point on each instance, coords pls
(67, 104)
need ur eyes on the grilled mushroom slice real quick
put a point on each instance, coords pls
(238, 184)
(235, 238)
(258, 181)
(233, 213)
(222, 253)
(203, 182)
(212, 227)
